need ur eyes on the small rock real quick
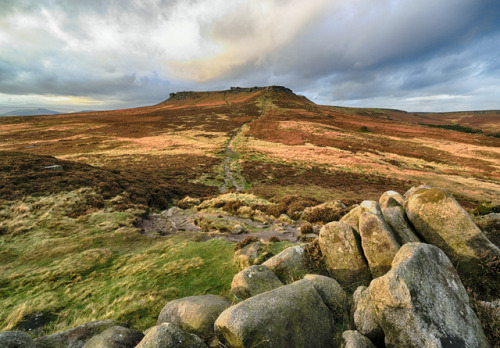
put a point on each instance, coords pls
(16, 339)
(254, 280)
(353, 339)
(115, 337)
(167, 335)
(55, 168)
(238, 229)
(194, 314)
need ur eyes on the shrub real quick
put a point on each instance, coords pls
(274, 239)
(324, 215)
(245, 242)
(485, 208)
(306, 228)
(275, 210)
(315, 259)
(232, 206)
(364, 129)
(188, 202)
(296, 208)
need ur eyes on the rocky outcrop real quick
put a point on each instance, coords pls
(364, 318)
(421, 302)
(76, 337)
(340, 244)
(16, 339)
(291, 263)
(353, 339)
(290, 316)
(254, 280)
(167, 335)
(441, 221)
(395, 216)
(115, 337)
(194, 314)
(378, 242)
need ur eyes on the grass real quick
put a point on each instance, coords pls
(98, 266)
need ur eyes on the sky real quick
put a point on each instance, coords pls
(425, 55)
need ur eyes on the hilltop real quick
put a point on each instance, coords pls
(111, 214)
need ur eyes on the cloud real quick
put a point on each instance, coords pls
(392, 52)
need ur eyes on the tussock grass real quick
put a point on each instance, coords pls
(97, 266)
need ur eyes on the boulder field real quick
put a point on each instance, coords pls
(391, 277)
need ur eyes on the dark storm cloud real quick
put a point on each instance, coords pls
(427, 55)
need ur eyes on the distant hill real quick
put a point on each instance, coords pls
(31, 112)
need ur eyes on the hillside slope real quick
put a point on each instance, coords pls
(281, 144)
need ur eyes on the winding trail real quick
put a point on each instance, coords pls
(231, 154)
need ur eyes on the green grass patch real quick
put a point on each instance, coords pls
(98, 266)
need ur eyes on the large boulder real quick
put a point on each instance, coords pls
(378, 242)
(167, 335)
(441, 221)
(246, 256)
(254, 280)
(395, 216)
(76, 337)
(421, 302)
(291, 263)
(353, 339)
(16, 339)
(340, 244)
(290, 316)
(194, 314)
(332, 295)
(365, 318)
(115, 337)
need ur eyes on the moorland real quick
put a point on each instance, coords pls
(82, 195)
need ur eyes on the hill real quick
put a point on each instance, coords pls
(31, 112)
(110, 214)
(283, 144)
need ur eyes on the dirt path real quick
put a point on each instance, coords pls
(232, 156)
(175, 220)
